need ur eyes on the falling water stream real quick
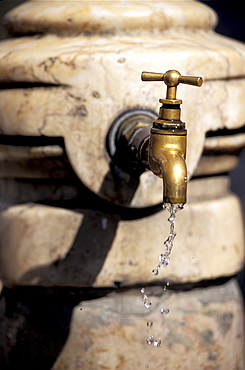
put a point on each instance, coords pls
(164, 260)
(164, 257)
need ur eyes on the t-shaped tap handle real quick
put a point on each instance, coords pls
(172, 79)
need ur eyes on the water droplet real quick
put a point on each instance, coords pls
(167, 283)
(149, 323)
(164, 260)
(147, 303)
(171, 218)
(155, 271)
(164, 311)
(142, 290)
(157, 343)
(173, 234)
(168, 243)
(147, 366)
(150, 340)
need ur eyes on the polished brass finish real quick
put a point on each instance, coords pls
(167, 152)
(167, 142)
(172, 79)
(160, 148)
(167, 113)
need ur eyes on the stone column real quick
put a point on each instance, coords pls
(78, 239)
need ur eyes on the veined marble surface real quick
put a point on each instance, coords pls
(96, 78)
(98, 249)
(94, 17)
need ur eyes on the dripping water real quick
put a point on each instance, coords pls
(164, 260)
(147, 302)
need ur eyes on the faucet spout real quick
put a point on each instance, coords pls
(161, 149)
(167, 143)
(173, 172)
(166, 159)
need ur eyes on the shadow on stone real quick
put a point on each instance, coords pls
(35, 324)
(86, 257)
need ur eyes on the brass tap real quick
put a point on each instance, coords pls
(135, 144)
(167, 141)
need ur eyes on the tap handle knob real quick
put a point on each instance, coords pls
(191, 80)
(172, 79)
(152, 76)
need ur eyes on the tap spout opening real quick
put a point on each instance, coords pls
(166, 157)
(174, 175)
